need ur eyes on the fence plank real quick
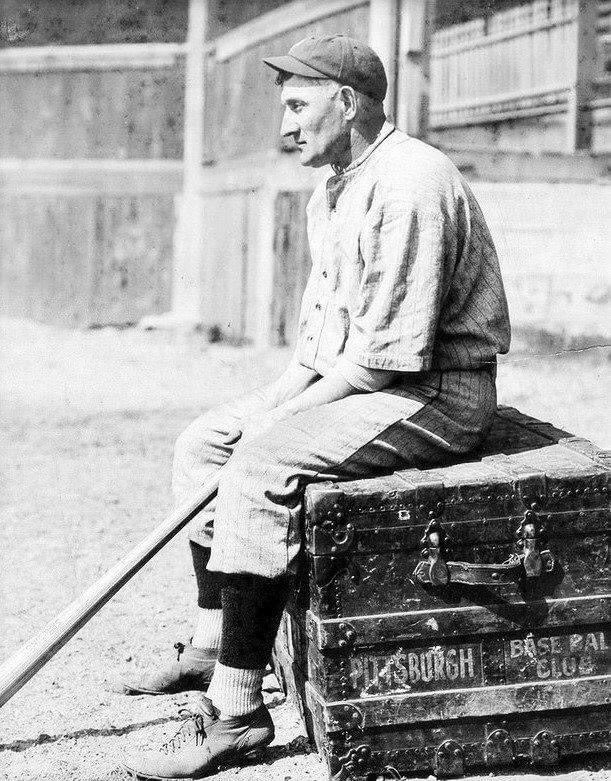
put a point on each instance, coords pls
(579, 116)
(413, 66)
(243, 110)
(130, 113)
(224, 264)
(291, 266)
(516, 61)
(278, 22)
(118, 56)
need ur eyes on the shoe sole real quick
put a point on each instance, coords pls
(255, 753)
(129, 690)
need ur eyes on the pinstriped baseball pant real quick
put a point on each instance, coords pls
(254, 526)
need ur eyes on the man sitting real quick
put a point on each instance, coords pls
(402, 319)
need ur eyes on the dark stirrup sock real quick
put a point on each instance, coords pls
(208, 583)
(252, 609)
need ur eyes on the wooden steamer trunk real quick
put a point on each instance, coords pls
(457, 617)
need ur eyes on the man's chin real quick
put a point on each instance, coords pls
(311, 162)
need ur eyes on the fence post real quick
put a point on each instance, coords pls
(416, 21)
(265, 260)
(188, 247)
(383, 24)
(579, 114)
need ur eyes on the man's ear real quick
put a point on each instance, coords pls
(349, 101)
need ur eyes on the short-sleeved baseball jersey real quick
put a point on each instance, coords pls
(404, 274)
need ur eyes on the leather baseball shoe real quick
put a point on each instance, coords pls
(191, 671)
(202, 745)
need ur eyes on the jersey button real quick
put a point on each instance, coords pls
(317, 306)
(324, 273)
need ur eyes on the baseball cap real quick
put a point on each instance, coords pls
(336, 57)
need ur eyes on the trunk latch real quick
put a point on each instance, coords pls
(530, 535)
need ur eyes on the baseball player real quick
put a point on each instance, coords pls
(402, 319)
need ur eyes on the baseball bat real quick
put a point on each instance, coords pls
(32, 656)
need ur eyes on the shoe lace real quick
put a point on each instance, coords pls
(191, 731)
(180, 647)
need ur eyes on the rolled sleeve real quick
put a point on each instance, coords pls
(363, 378)
(407, 246)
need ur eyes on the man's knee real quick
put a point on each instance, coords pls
(195, 437)
(256, 469)
(184, 443)
(192, 451)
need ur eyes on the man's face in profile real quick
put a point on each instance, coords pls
(314, 119)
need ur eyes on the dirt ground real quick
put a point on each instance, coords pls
(87, 422)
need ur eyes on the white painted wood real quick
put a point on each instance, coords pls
(188, 239)
(416, 18)
(264, 258)
(383, 33)
(579, 115)
(477, 66)
(116, 56)
(91, 175)
(491, 39)
(273, 23)
(262, 170)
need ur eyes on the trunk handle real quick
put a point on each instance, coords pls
(531, 563)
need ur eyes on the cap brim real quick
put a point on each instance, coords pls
(288, 64)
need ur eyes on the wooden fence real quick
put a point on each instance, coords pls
(514, 63)
(90, 165)
(524, 62)
(256, 255)
(242, 114)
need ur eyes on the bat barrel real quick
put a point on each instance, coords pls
(34, 654)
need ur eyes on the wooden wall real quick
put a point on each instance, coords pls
(291, 264)
(92, 113)
(225, 15)
(91, 146)
(254, 256)
(243, 113)
(228, 221)
(523, 78)
(69, 22)
(94, 254)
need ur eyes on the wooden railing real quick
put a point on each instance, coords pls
(519, 62)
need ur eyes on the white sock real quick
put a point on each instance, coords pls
(208, 629)
(235, 691)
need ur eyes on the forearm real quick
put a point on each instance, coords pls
(323, 391)
(299, 389)
(292, 382)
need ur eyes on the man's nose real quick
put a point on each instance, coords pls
(289, 127)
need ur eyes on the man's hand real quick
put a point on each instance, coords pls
(255, 425)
